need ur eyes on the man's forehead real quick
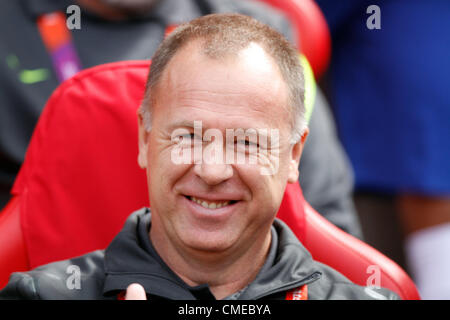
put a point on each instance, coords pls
(241, 91)
(251, 73)
(252, 55)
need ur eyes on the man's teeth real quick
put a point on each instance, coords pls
(210, 205)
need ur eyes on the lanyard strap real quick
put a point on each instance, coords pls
(58, 42)
(300, 293)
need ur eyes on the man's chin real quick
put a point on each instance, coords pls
(209, 244)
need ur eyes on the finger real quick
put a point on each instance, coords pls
(135, 292)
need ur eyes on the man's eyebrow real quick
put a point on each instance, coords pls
(182, 124)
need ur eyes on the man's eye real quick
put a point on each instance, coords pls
(188, 136)
(246, 143)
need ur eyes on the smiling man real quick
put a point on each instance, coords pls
(211, 232)
(211, 221)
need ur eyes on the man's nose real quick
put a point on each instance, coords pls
(213, 173)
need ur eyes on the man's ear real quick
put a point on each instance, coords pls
(296, 154)
(143, 141)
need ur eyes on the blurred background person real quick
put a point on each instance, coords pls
(114, 30)
(388, 83)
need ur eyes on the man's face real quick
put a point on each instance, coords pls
(217, 206)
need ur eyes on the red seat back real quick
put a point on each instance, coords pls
(80, 178)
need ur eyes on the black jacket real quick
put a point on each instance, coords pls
(130, 258)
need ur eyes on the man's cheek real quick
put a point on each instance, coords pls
(269, 154)
(268, 164)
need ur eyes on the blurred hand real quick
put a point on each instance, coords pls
(135, 292)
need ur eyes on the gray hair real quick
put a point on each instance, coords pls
(227, 34)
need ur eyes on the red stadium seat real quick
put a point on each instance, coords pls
(80, 180)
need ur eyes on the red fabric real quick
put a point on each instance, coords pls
(13, 254)
(292, 210)
(80, 178)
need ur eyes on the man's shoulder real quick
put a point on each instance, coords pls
(295, 261)
(335, 286)
(77, 278)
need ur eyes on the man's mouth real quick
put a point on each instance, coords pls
(211, 204)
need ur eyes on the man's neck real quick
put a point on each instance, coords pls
(225, 273)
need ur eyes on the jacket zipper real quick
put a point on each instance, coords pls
(309, 279)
